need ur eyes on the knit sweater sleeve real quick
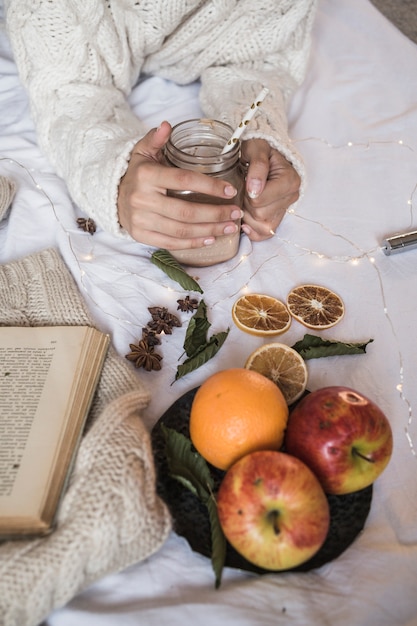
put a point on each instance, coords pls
(78, 96)
(273, 51)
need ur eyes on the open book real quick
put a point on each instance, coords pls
(48, 376)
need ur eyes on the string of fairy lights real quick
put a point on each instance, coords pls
(369, 256)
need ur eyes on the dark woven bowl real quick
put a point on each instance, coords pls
(348, 513)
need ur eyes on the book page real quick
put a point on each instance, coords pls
(18, 404)
(37, 371)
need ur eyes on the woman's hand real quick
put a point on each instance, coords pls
(154, 218)
(272, 185)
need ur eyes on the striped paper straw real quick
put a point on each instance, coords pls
(246, 119)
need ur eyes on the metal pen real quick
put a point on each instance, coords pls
(400, 243)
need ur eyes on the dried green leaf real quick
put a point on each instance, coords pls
(186, 465)
(190, 469)
(205, 353)
(166, 262)
(196, 335)
(218, 541)
(313, 347)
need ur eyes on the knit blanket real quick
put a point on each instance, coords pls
(110, 516)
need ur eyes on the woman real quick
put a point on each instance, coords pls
(79, 60)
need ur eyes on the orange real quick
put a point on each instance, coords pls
(315, 306)
(283, 365)
(234, 412)
(261, 315)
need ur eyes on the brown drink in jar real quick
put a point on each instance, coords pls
(197, 145)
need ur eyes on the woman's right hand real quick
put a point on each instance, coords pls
(152, 217)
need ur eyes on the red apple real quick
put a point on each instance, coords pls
(342, 436)
(273, 510)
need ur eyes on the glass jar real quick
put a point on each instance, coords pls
(197, 145)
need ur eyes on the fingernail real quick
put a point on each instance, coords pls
(229, 230)
(229, 191)
(246, 229)
(209, 241)
(254, 187)
(236, 214)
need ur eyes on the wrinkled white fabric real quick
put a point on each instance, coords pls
(354, 120)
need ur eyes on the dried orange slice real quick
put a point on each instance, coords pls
(315, 306)
(283, 365)
(261, 315)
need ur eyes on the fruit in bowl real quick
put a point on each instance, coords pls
(234, 412)
(273, 510)
(342, 435)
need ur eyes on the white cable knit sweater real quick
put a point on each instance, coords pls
(80, 59)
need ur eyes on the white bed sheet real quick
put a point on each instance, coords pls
(355, 122)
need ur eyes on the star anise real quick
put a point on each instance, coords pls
(162, 320)
(144, 355)
(149, 336)
(187, 304)
(160, 326)
(87, 224)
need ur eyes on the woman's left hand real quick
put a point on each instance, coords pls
(272, 185)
